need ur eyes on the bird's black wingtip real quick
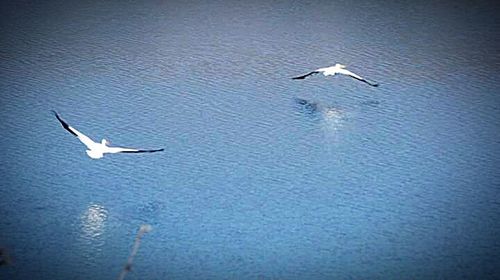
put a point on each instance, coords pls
(64, 124)
(56, 115)
(141, 151)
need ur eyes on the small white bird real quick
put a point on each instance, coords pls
(97, 150)
(337, 69)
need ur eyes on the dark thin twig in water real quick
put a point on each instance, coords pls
(128, 266)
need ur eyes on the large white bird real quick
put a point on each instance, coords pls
(337, 69)
(97, 150)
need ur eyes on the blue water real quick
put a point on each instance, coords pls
(263, 177)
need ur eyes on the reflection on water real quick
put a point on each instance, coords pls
(91, 242)
(333, 118)
(93, 220)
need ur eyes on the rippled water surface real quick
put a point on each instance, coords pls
(262, 177)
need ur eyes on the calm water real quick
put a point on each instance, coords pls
(263, 177)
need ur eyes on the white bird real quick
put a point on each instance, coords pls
(97, 150)
(337, 69)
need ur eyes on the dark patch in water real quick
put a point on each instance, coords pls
(371, 103)
(4, 257)
(307, 106)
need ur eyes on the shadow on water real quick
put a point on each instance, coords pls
(306, 106)
(316, 108)
(330, 117)
(324, 110)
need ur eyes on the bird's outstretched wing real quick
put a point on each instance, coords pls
(114, 150)
(306, 75)
(355, 76)
(82, 137)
